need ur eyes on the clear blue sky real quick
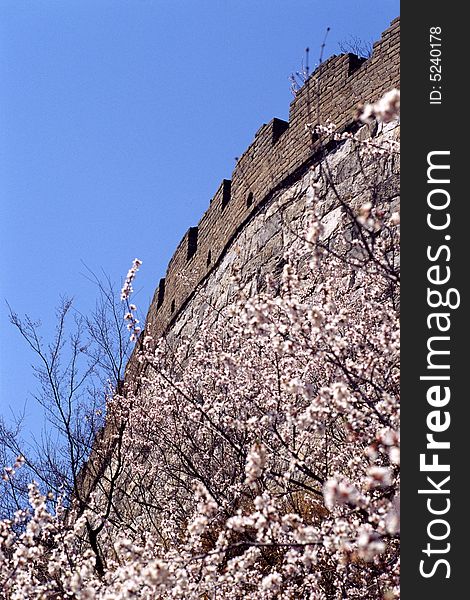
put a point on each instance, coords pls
(118, 120)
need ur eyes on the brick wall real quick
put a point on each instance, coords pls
(278, 153)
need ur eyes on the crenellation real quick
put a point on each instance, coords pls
(279, 152)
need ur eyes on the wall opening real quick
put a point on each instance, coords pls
(192, 242)
(173, 306)
(161, 293)
(209, 259)
(354, 63)
(226, 191)
(278, 128)
(249, 200)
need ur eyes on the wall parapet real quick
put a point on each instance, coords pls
(280, 150)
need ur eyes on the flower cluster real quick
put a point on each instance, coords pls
(126, 292)
(9, 472)
(127, 287)
(386, 109)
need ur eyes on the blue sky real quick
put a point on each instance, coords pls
(118, 121)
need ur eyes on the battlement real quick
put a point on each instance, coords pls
(279, 151)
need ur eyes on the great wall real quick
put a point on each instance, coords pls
(258, 215)
(280, 155)
(251, 448)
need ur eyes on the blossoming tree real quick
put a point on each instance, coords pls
(261, 459)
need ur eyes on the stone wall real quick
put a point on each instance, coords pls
(279, 226)
(259, 215)
(280, 155)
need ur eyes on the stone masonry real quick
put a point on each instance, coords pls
(280, 155)
(259, 215)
